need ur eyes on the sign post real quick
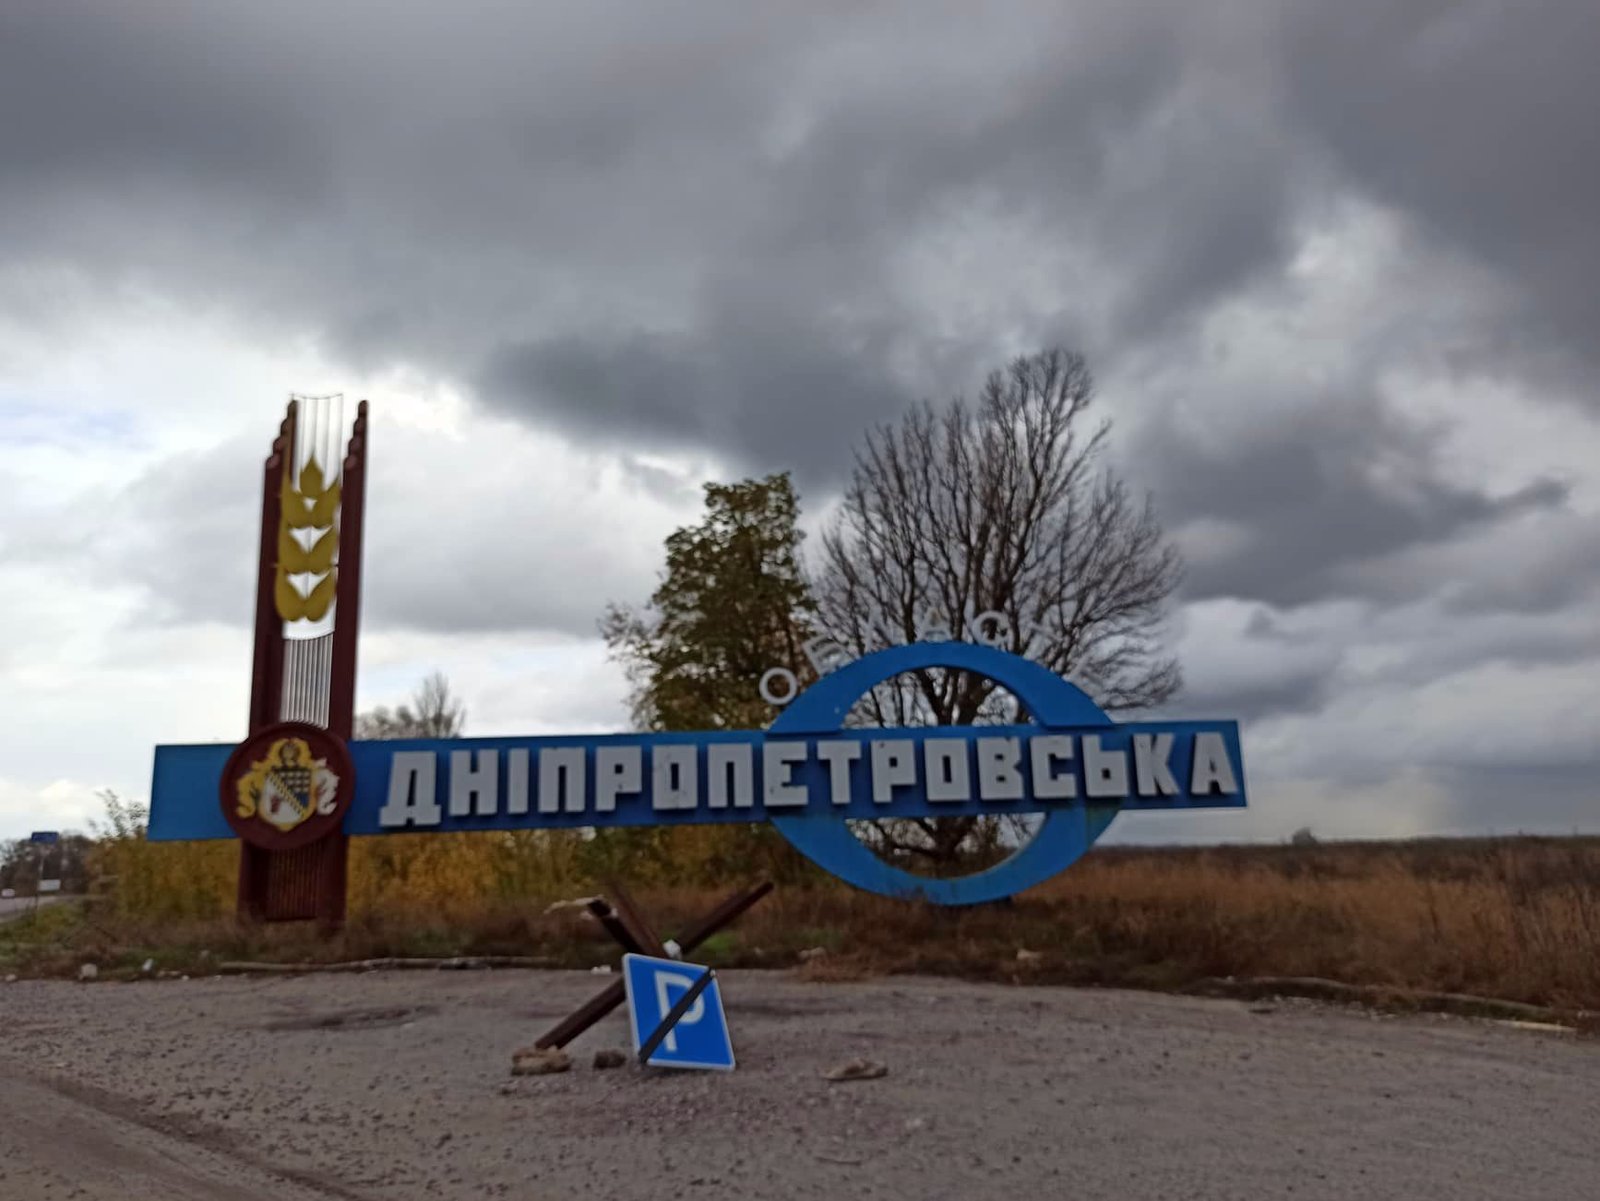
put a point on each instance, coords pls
(41, 839)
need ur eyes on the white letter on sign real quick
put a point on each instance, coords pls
(561, 778)
(617, 769)
(411, 791)
(839, 756)
(729, 775)
(998, 777)
(665, 1001)
(675, 767)
(1105, 773)
(517, 780)
(1213, 770)
(777, 760)
(474, 788)
(894, 765)
(1150, 771)
(944, 766)
(1047, 786)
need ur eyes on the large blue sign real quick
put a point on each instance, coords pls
(807, 774)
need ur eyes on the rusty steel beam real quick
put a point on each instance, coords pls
(608, 917)
(634, 921)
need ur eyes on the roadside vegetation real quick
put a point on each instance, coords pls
(1515, 918)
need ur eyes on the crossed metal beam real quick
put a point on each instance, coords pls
(623, 921)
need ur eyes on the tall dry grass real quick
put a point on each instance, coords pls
(1512, 918)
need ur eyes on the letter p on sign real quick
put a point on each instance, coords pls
(669, 987)
(700, 1037)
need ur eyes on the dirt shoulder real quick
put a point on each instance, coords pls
(396, 1085)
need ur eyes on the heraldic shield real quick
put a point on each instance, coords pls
(287, 785)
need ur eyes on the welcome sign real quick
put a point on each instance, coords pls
(807, 774)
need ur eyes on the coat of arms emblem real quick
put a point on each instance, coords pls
(288, 786)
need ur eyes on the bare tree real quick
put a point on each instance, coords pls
(1002, 516)
(433, 712)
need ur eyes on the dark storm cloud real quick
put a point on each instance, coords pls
(1476, 119)
(765, 393)
(698, 210)
(699, 214)
(687, 226)
(687, 236)
(1270, 670)
(1311, 498)
(684, 228)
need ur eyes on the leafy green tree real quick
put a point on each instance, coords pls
(733, 602)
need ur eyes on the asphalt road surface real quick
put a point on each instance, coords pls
(397, 1085)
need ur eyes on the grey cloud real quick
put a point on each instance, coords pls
(1547, 568)
(1317, 494)
(1477, 121)
(547, 195)
(1559, 798)
(446, 550)
(1263, 669)
(1300, 690)
(184, 532)
(1433, 802)
(731, 193)
(765, 392)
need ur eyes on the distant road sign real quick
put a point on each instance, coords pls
(49, 885)
(700, 1038)
(45, 836)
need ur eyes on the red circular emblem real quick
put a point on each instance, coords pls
(287, 785)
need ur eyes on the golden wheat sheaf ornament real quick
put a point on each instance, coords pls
(310, 504)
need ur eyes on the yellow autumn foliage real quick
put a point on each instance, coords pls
(452, 875)
(1510, 918)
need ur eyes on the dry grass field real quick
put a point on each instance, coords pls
(1516, 918)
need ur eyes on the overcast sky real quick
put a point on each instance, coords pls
(1334, 266)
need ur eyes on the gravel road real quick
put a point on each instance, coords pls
(396, 1085)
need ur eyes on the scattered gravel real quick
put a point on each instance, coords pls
(394, 1085)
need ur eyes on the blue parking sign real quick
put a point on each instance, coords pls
(700, 1038)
